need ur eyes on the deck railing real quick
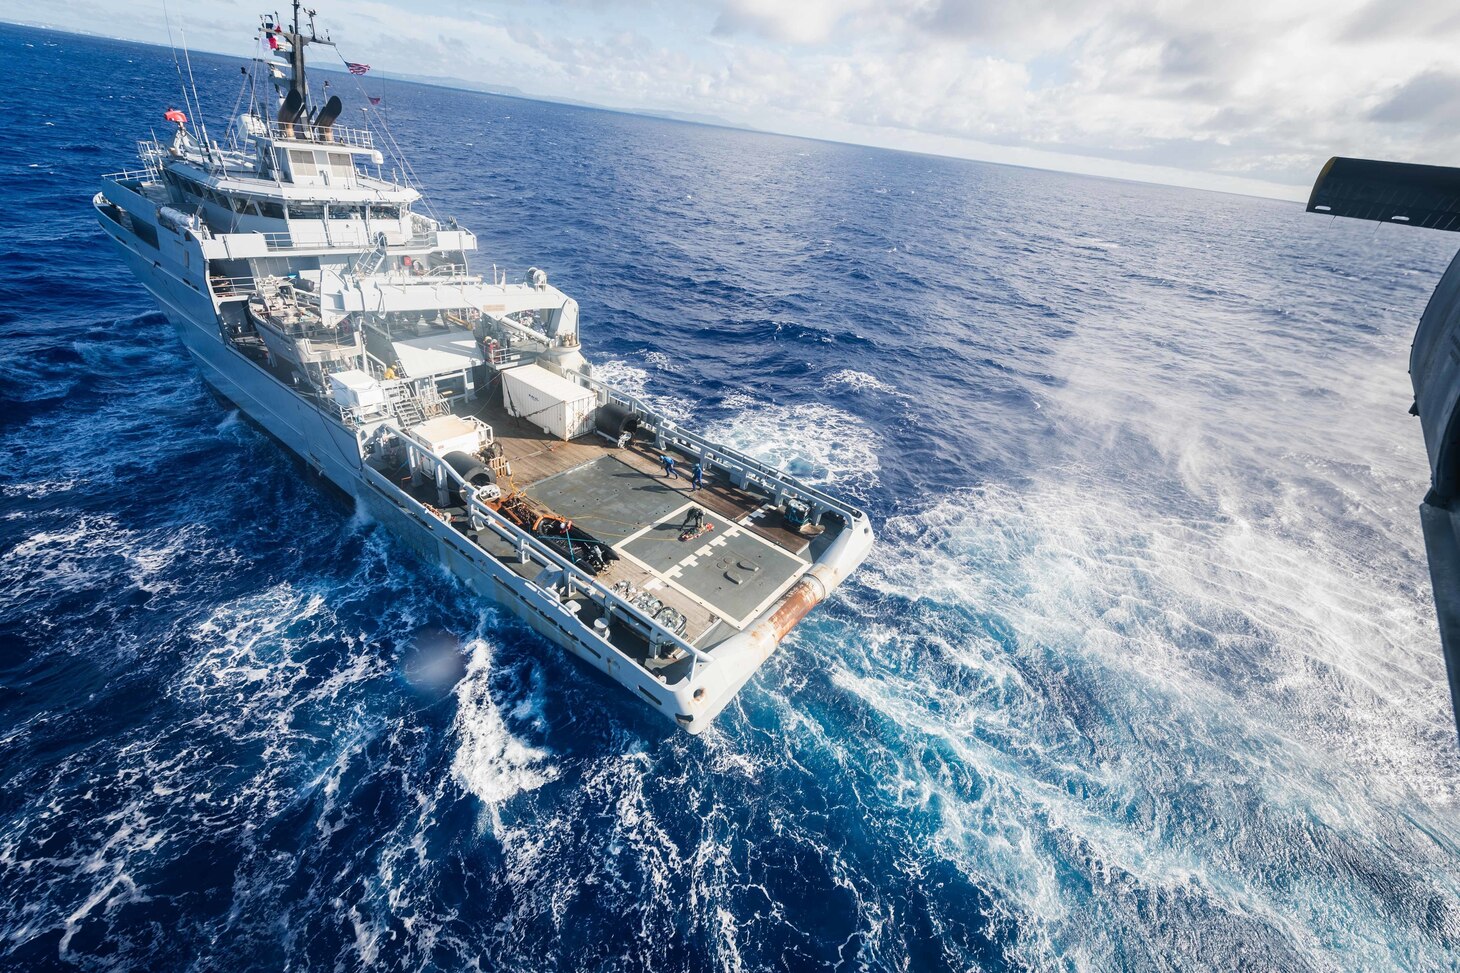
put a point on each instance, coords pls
(530, 548)
(232, 286)
(335, 135)
(346, 237)
(129, 175)
(743, 468)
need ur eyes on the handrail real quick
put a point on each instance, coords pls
(302, 131)
(768, 475)
(336, 237)
(232, 285)
(127, 174)
(542, 554)
(285, 240)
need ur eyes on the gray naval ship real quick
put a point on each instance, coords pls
(459, 411)
(1429, 197)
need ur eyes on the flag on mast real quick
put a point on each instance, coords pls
(357, 68)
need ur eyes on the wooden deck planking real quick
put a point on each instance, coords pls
(536, 455)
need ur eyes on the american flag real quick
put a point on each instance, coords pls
(357, 68)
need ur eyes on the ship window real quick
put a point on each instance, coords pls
(271, 210)
(301, 162)
(347, 211)
(385, 212)
(146, 233)
(306, 211)
(340, 165)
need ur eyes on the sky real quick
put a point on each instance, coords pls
(1247, 96)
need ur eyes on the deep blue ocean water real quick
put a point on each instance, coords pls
(1142, 674)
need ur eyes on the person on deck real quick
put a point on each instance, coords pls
(697, 477)
(668, 463)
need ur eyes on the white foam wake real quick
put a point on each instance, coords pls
(1158, 702)
(635, 381)
(815, 442)
(490, 762)
(851, 378)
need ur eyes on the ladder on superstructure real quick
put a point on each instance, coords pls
(405, 406)
(368, 263)
(430, 402)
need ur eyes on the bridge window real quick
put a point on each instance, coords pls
(306, 211)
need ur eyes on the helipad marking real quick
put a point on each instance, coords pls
(725, 531)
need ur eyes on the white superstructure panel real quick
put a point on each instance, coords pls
(438, 354)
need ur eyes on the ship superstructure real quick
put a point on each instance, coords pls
(459, 410)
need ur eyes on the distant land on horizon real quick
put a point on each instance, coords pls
(1292, 194)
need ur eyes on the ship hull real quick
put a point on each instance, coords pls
(331, 450)
(171, 266)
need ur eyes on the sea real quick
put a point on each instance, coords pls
(1142, 674)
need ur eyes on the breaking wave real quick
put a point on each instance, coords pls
(1141, 675)
(820, 444)
(490, 762)
(636, 382)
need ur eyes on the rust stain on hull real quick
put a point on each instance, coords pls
(800, 600)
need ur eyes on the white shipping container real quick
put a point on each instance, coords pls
(556, 405)
(451, 434)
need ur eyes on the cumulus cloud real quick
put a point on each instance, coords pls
(803, 22)
(1429, 99)
(1264, 88)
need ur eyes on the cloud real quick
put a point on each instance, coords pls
(1387, 19)
(1269, 88)
(1431, 99)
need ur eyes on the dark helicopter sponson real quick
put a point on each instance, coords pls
(1425, 196)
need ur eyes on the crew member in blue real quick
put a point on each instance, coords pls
(697, 478)
(668, 463)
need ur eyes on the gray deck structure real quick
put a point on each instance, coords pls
(296, 272)
(731, 570)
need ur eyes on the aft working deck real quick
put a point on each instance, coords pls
(718, 581)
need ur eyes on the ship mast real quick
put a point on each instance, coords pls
(296, 103)
(296, 56)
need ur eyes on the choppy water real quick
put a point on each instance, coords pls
(1142, 674)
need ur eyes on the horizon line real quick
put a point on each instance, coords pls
(1145, 174)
